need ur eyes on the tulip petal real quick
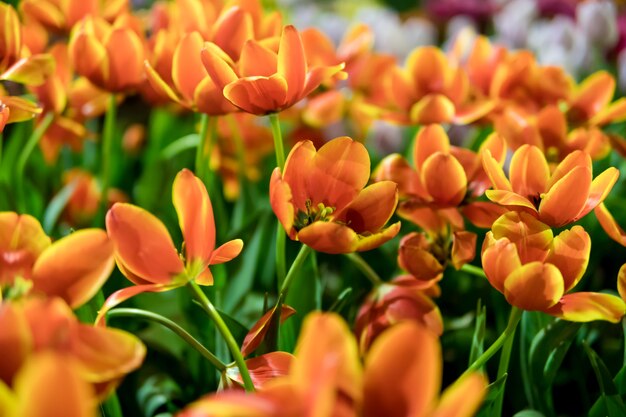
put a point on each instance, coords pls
(395, 168)
(369, 242)
(600, 188)
(187, 68)
(570, 253)
(282, 203)
(495, 172)
(614, 113)
(529, 172)
(31, 71)
(226, 252)
(534, 286)
(160, 86)
(567, 198)
(75, 267)
(429, 140)
(402, 358)
(593, 94)
(329, 237)
(482, 213)
(463, 398)
(16, 341)
(414, 257)
(432, 108)
(216, 63)
(621, 282)
(264, 368)
(444, 179)
(532, 237)
(371, 209)
(125, 54)
(589, 306)
(292, 64)
(258, 95)
(131, 227)
(463, 248)
(195, 216)
(609, 224)
(499, 259)
(257, 60)
(232, 29)
(568, 164)
(258, 331)
(510, 199)
(298, 167)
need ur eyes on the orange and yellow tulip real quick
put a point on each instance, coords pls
(327, 379)
(158, 265)
(320, 200)
(109, 55)
(535, 270)
(103, 356)
(556, 198)
(73, 268)
(266, 81)
(591, 103)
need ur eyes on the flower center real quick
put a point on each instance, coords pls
(319, 213)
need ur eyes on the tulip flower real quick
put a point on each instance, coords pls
(110, 56)
(320, 200)
(73, 268)
(591, 102)
(327, 379)
(158, 266)
(264, 81)
(556, 198)
(535, 270)
(102, 355)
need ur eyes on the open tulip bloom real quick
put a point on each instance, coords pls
(145, 252)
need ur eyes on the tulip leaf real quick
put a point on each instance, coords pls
(157, 395)
(341, 300)
(56, 206)
(547, 350)
(180, 145)
(528, 413)
(495, 390)
(478, 339)
(610, 402)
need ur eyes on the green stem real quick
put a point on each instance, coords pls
(164, 321)
(508, 333)
(208, 307)
(111, 406)
(28, 149)
(503, 368)
(108, 138)
(293, 270)
(279, 148)
(474, 270)
(364, 267)
(201, 156)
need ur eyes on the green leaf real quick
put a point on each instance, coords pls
(478, 339)
(180, 145)
(56, 206)
(341, 300)
(494, 391)
(610, 403)
(157, 395)
(528, 413)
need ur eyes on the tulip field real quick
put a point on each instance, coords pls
(282, 208)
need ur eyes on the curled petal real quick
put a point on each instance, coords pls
(414, 257)
(610, 226)
(256, 334)
(369, 242)
(600, 188)
(570, 253)
(258, 95)
(329, 237)
(226, 252)
(510, 199)
(589, 306)
(75, 267)
(532, 237)
(534, 286)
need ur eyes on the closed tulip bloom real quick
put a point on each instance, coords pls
(320, 200)
(535, 270)
(557, 197)
(109, 55)
(264, 81)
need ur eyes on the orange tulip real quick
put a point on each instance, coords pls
(61, 15)
(591, 102)
(403, 299)
(430, 89)
(73, 268)
(110, 56)
(556, 198)
(102, 355)
(264, 81)
(158, 266)
(320, 200)
(56, 381)
(535, 270)
(327, 379)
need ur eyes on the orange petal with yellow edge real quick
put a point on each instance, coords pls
(22, 240)
(226, 252)
(482, 213)
(495, 172)
(292, 64)
(621, 282)
(31, 71)
(329, 237)
(125, 53)
(444, 179)
(534, 286)
(402, 358)
(160, 86)
(258, 95)
(59, 386)
(209, 99)
(570, 253)
(257, 333)
(195, 216)
(216, 63)
(463, 398)
(589, 306)
(131, 227)
(395, 168)
(532, 237)
(371, 209)
(470, 112)
(511, 199)
(187, 68)
(569, 163)
(432, 108)
(567, 198)
(614, 113)
(318, 75)
(463, 248)
(600, 188)
(327, 360)
(429, 140)
(369, 242)
(232, 29)
(529, 172)
(499, 259)
(593, 94)
(75, 267)
(429, 68)
(610, 226)
(281, 200)
(256, 59)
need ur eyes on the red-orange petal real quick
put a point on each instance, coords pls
(534, 286)
(256, 334)
(263, 368)
(589, 306)
(75, 267)
(226, 252)
(395, 168)
(371, 209)
(329, 237)
(131, 227)
(593, 94)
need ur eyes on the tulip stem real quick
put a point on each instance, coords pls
(279, 148)
(108, 136)
(165, 322)
(28, 149)
(503, 365)
(474, 270)
(202, 153)
(208, 307)
(509, 332)
(364, 267)
(281, 239)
